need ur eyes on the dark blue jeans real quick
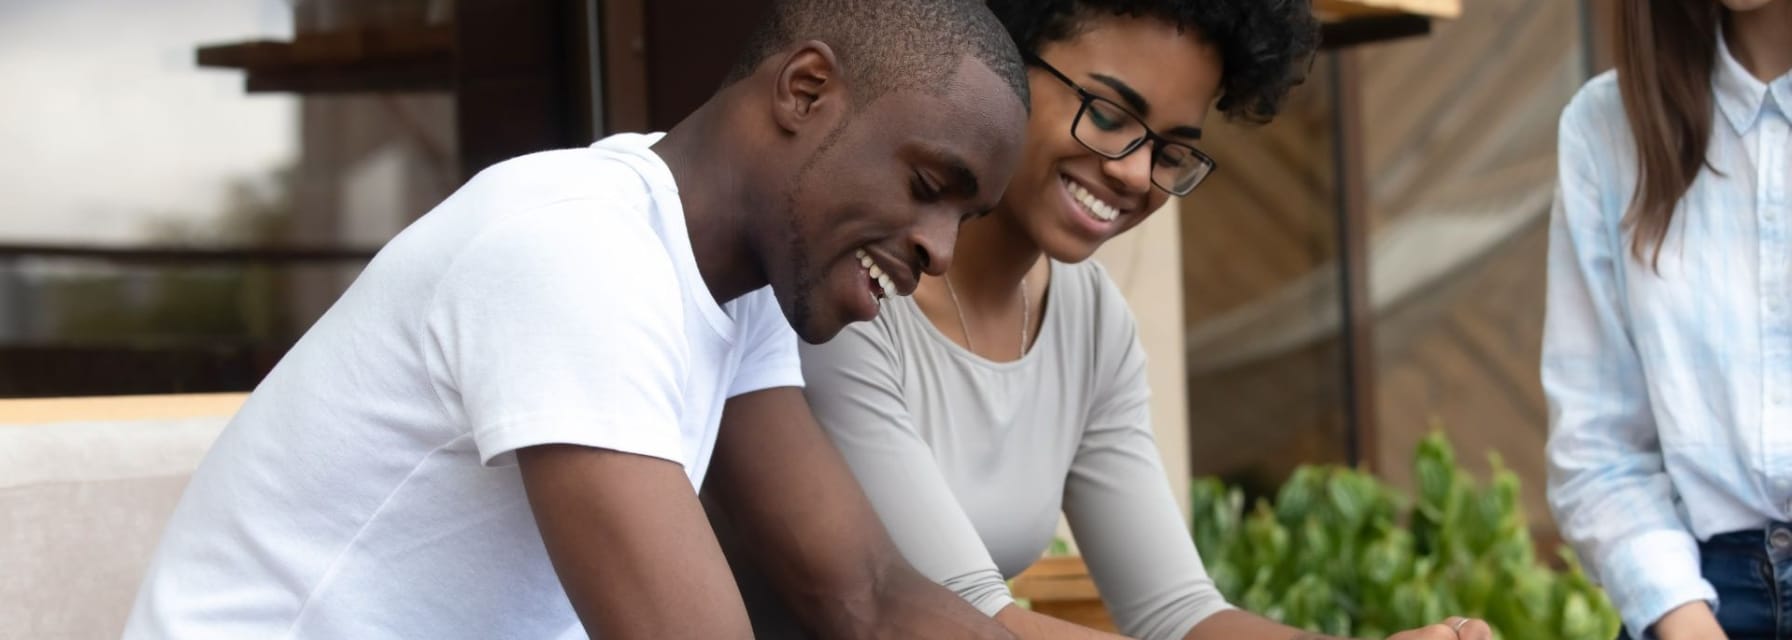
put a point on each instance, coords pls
(1752, 571)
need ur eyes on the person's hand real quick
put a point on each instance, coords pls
(1691, 621)
(1452, 628)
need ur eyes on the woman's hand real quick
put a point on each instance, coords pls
(1452, 628)
(1691, 621)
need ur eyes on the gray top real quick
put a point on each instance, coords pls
(969, 462)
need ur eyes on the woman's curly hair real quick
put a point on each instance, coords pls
(1265, 45)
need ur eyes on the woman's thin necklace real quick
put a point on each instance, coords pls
(1026, 315)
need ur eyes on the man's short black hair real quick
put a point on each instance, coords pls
(1264, 45)
(890, 44)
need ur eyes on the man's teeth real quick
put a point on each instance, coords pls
(885, 285)
(1102, 210)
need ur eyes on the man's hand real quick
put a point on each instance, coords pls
(631, 545)
(1690, 621)
(794, 501)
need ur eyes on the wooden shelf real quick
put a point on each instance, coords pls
(1348, 23)
(362, 60)
(1330, 10)
(1370, 28)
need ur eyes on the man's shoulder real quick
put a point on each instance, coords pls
(562, 174)
(621, 168)
(759, 313)
(568, 253)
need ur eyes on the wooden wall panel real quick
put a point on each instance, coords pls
(1454, 119)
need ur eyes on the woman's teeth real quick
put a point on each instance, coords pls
(885, 286)
(1101, 210)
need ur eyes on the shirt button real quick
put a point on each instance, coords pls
(1780, 539)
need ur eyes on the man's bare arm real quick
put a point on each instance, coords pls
(631, 545)
(816, 537)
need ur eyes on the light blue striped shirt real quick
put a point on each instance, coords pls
(1670, 394)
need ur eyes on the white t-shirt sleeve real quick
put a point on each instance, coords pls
(769, 357)
(562, 325)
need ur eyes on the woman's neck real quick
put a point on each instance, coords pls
(992, 257)
(1762, 39)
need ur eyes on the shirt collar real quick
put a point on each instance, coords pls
(1781, 88)
(1740, 95)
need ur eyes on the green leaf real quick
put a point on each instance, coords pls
(1227, 578)
(1578, 620)
(1317, 550)
(1300, 495)
(1258, 597)
(1352, 497)
(1335, 623)
(1267, 540)
(1218, 512)
(1388, 559)
(1434, 467)
(1533, 587)
(1407, 605)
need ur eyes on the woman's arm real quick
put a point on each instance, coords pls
(855, 393)
(1117, 495)
(1608, 484)
(1128, 527)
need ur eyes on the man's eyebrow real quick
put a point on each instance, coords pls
(959, 179)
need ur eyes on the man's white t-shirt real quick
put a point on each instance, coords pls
(367, 489)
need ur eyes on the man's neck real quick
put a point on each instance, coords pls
(1759, 39)
(714, 194)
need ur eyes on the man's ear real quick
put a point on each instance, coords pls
(809, 86)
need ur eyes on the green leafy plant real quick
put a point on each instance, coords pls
(1342, 553)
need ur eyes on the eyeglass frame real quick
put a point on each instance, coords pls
(1157, 140)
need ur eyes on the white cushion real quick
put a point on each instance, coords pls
(82, 505)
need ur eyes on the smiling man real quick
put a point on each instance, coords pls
(499, 430)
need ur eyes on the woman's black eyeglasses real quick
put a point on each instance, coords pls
(1113, 132)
